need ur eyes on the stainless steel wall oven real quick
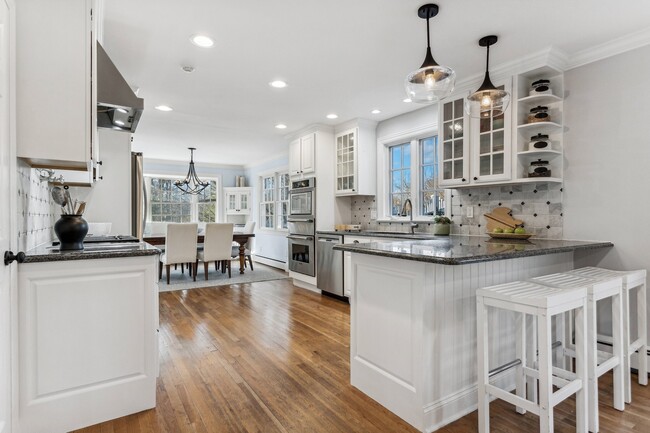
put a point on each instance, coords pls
(302, 226)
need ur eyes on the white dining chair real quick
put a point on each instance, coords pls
(180, 247)
(249, 228)
(217, 245)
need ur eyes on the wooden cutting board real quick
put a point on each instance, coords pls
(501, 217)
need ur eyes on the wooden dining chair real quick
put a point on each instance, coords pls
(250, 229)
(217, 246)
(180, 247)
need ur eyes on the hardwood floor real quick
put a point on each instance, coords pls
(270, 357)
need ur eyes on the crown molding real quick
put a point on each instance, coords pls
(610, 48)
(175, 162)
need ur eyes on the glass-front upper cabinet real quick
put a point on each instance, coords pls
(346, 168)
(491, 146)
(454, 143)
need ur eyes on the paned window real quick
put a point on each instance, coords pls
(274, 203)
(167, 203)
(400, 177)
(432, 198)
(413, 172)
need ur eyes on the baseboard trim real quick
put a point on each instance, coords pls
(271, 262)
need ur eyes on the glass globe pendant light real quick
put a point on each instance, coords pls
(487, 101)
(191, 184)
(431, 82)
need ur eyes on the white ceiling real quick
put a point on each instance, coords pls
(342, 56)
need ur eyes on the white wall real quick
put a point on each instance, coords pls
(109, 200)
(268, 244)
(607, 151)
(408, 122)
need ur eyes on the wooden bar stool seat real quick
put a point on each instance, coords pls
(632, 280)
(598, 362)
(526, 298)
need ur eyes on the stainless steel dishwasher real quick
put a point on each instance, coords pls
(329, 264)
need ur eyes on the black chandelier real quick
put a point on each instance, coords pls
(191, 184)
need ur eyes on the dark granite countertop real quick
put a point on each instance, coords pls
(382, 234)
(459, 250)
(107, 250)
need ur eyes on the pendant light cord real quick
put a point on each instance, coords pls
(428, 36)
(487, 60)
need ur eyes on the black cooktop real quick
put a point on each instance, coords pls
(91, 239)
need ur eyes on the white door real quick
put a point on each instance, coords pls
(7, 238)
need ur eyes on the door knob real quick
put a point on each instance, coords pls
(10, 257)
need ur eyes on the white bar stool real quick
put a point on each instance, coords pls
(541, 302)
(598, 363)
(632, 280)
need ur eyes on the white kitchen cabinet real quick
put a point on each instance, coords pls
(356, 159)
(87, 341)
(238, 200)
(490, 145)
(301, 155)
(56, 89)
(454, 148)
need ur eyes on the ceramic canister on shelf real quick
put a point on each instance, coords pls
(539, 168)
(541, 87)
(539, 142)
(539, 114)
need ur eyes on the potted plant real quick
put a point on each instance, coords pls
(441, 225)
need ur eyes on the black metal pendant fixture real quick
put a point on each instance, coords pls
(487, 101)
(431, 82)
(191, 184)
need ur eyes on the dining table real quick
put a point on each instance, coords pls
(240, 238)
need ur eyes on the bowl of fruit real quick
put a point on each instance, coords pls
(509, 233)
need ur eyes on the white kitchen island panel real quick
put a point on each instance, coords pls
(413, 342)
(88, 344)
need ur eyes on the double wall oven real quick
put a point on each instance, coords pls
(302, 226)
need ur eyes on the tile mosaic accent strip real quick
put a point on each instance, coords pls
(538, 205)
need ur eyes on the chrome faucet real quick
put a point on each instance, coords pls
(408, 203)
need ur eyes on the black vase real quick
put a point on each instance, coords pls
(71, 231)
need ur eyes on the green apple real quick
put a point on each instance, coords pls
(508, 230)
(497, 230)
(520, 231)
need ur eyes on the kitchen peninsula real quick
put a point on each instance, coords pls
(87, 335)
(413, 317)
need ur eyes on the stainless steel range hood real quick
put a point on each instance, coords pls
(117, 106)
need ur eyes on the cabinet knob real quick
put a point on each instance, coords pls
(101, 177)
(463, 180)
(100, 162)
(355, 242)
(475, 178)
(10, 257)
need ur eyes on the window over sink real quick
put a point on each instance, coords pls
(413, 174)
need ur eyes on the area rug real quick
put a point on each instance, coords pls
(183, 281)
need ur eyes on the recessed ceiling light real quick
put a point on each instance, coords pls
(375, 111)
(188, 69)
(407, 100)
(278, 84)
(281, 126)
(202, 41)
(332, 116)
(119, 122)
(163, 108)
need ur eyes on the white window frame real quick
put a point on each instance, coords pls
(194, 216)
(277, 201)
(384, 144)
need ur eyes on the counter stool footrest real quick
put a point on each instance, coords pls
(512, 399)
(566, 391)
